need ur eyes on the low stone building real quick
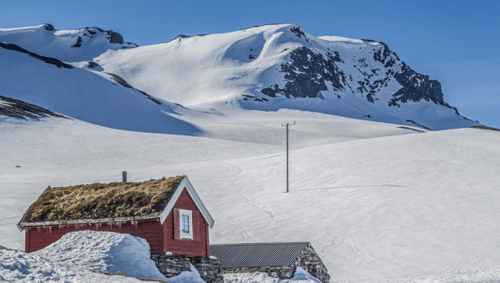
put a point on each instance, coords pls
(278, 260)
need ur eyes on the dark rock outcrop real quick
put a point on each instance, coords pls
(19, 109)
(49, 27)
(307, 73)
(481, 127)
(92, 65)
(416, 87)
(114, 37)
(124, 83)
(78, 43)
(298, 32)
(47, 60)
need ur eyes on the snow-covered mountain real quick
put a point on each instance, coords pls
(281, 66)
(263, 68)
(66, 45)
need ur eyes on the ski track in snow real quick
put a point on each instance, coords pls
(230, 177)
(484, 259)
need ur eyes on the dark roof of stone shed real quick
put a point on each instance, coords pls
(257, 254)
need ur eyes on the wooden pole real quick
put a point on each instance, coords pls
(287, 157)
(287, 127)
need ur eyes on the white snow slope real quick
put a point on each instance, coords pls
(217, 70)
(377, 202)
(62, 44)
(86, 95)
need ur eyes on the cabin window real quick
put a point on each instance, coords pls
(186, 224)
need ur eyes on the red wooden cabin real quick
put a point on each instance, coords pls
(180, 226)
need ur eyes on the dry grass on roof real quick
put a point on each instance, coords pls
(102, 200)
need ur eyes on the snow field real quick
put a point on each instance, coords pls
(378, 203)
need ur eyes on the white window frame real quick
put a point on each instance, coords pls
(189, 213)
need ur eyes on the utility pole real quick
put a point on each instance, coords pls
(287, 126)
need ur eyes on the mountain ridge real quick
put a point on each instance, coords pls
(73, 45)
(266, 67)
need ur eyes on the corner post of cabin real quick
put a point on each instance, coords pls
(26, 240)
(207, 236)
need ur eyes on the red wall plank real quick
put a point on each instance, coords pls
(39, 237)
(196, 226)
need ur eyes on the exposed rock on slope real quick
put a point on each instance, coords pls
(306, 73)
(22, 110)
(47, 60)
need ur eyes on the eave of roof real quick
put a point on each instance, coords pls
(22, 225)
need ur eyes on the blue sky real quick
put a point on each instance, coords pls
(456, 42)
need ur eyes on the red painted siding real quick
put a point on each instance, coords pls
(38, 237)
(186, 246)
(196, 226)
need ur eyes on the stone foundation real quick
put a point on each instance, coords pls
(282, 272)
(171, 266)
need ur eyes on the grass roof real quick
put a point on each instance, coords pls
(102, 200)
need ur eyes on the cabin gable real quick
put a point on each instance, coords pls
(185, 185)
(172, 241)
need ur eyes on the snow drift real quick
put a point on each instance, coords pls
(80, 257)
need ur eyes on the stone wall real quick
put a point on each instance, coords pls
(282, 272)
(310, 261)
(170, 266)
